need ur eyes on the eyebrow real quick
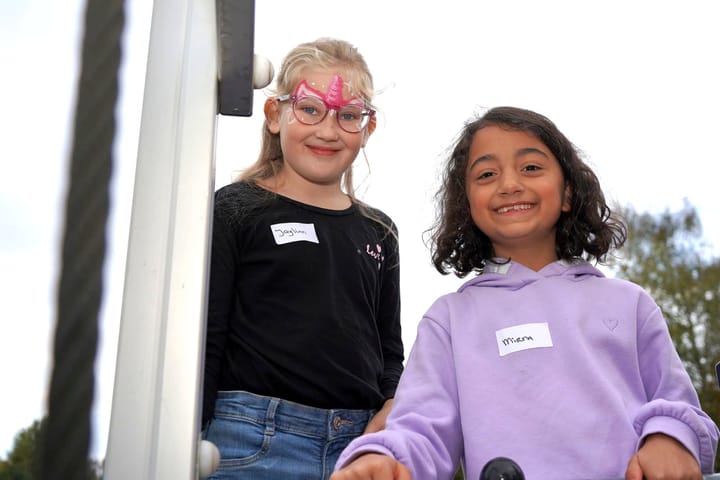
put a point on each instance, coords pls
(520, 153)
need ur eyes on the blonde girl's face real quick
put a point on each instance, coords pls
(516, 192)
(320, 153)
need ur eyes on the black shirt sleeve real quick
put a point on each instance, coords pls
(389, 326)
(220, 300)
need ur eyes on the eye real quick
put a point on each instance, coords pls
(310, 107)
(349, 114)
(531, 168)
(308, 110)
(485, 175)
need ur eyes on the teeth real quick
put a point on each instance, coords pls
(514, 208)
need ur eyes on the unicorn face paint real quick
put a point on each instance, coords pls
(333, 98)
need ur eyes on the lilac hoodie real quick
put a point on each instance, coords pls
(563, 370)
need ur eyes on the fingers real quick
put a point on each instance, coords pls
(634, 471)
(373, 467)
(663, 457)
(403, 473)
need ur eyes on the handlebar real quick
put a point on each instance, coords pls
(502, 468)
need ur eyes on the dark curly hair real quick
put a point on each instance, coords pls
(589, 230)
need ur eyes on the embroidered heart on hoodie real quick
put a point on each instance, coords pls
(611, 323)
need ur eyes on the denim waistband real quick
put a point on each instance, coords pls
(291, 416)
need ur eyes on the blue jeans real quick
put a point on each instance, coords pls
(268, 438)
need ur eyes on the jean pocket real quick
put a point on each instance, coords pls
(241, 441)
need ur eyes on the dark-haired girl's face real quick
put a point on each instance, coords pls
(516, 192)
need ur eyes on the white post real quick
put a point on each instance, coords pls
(155, 412)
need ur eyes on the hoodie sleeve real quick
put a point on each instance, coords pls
(423, 429)
(673, 407)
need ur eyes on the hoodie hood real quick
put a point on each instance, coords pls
(513, 275)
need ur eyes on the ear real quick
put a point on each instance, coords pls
(567, 199)
(272, 115)
(370, 129)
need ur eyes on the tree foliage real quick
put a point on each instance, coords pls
(666, 254)
(21, 463)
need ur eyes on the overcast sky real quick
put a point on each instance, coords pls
(632, 84)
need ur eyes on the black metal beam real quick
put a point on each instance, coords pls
(236, 45)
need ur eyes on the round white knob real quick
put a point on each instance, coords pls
(263, 72)
(208, 458)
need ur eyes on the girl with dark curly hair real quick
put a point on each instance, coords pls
(587, 228)
(539, 357)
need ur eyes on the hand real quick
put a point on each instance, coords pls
(661, 456)
(377, 422)
(373, 466)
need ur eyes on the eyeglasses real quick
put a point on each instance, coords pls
(311, 110)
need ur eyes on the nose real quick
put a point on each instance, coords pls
(328, 129)
(510, 183)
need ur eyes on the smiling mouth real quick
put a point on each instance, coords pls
(323, 150)
(514, 208)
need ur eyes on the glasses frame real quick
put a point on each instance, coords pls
(367, 113)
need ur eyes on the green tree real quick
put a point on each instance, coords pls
(459, 475)
(666, 254)
(22, 460)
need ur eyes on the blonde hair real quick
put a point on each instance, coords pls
(324, 53)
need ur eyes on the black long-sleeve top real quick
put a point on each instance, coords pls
(304, 302)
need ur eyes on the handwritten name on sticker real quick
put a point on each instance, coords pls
(294, 232)
(523, 337)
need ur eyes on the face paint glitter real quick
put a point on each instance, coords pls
(333, 98)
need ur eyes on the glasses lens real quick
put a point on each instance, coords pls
(309, 110)
(352, 118)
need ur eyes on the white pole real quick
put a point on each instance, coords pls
(156, 398)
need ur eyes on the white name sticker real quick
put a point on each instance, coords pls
(523, 337)
(294, 232)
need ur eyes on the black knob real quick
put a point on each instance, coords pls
(501, 468)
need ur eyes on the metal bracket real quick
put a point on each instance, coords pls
(236, 34)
